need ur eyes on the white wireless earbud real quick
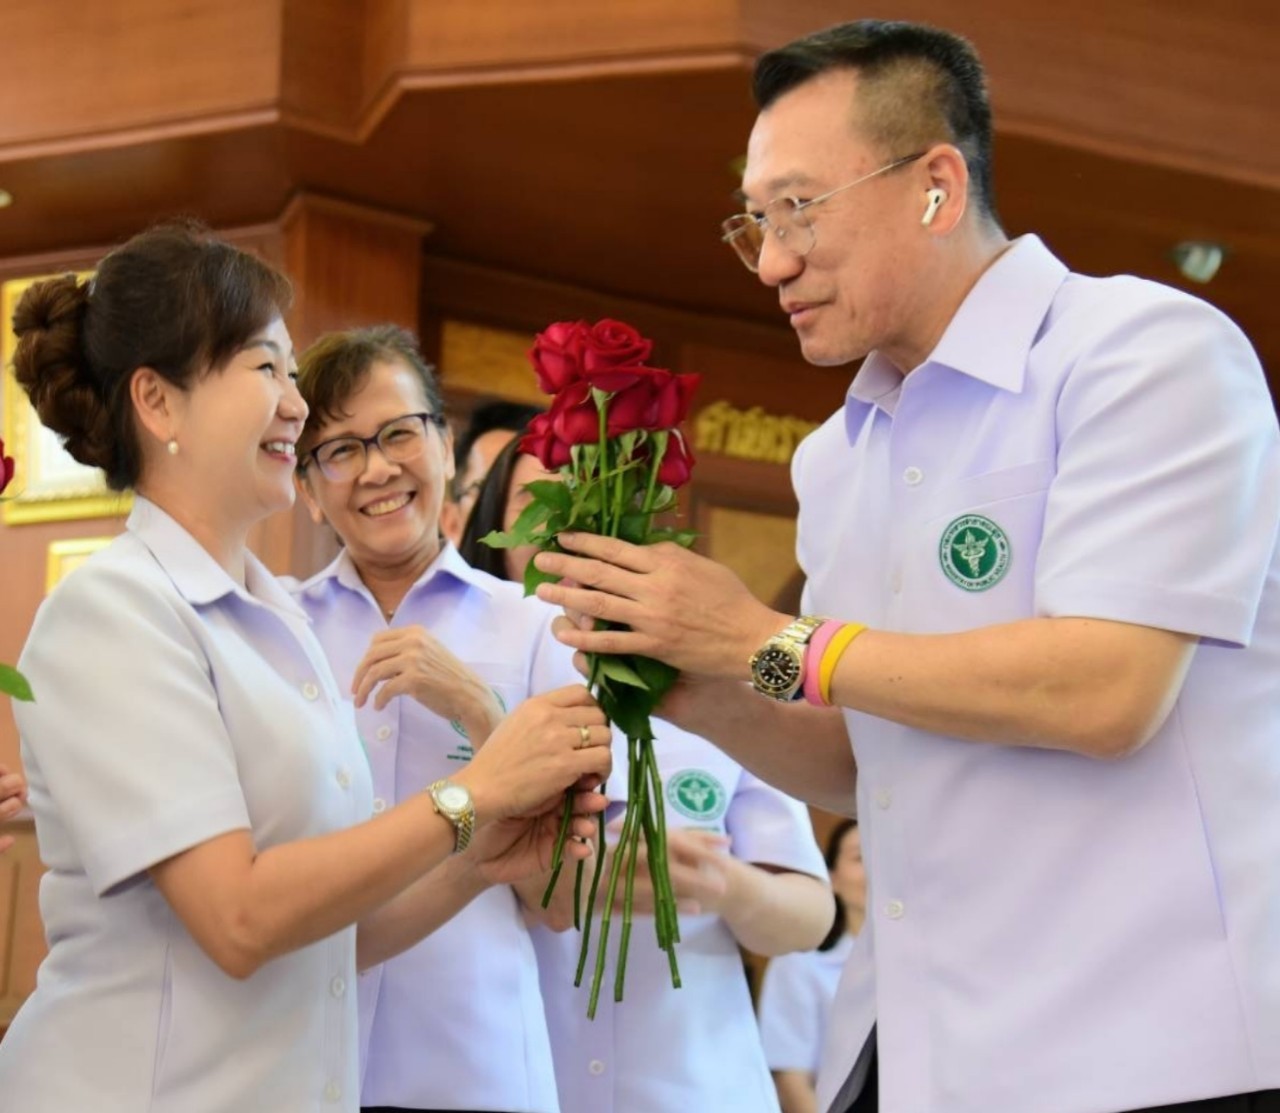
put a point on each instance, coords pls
(936, 197)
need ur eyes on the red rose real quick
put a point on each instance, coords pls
(539, 441)
(612, 353)
(657, 400)
(574, 417)
(677, 462)
(557, 355)
(6, 468)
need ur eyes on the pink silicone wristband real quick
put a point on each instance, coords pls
(813, 651)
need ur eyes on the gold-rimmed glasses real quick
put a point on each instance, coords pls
(400, 440)
(787, 218)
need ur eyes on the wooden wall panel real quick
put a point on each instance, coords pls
(449, 34)
(321, 66)
(1176, 83)
(83, 71)
(22, 945)
(351, 265)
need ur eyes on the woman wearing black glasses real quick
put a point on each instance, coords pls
(455, 1022)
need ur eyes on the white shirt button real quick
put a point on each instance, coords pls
(337, 987)
(379, 805)
(343, 777)
(383, 733)
(332, 1092)
(884, 798)
(913, 476)
(310, 690)
(596, 1067)
(895, 910)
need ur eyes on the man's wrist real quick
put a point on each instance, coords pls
(771, 624)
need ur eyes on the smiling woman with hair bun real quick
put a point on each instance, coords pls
(201, 797)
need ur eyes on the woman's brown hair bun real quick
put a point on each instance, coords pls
(50, 366)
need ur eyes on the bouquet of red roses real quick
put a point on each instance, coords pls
(612, 433)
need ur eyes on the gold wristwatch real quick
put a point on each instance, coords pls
(777, 667)
(453, 802)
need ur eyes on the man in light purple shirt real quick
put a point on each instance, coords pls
(1054, 500)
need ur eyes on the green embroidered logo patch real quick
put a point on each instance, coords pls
(974, 552)
(457, 723)
(697, 794)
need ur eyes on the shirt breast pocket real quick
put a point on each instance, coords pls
(508, 682)
(976, 551)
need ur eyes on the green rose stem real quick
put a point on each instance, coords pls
(644, 816)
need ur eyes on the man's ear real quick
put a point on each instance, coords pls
(948, 176)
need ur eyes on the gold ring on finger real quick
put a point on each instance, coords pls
(584, 733)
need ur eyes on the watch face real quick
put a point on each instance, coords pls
(453, 798)
(777, 669)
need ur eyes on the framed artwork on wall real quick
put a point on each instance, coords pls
(66, 556)
(49, 486)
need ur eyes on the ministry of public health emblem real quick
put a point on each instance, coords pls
(457, 723)
(697, 795)
(974, 552)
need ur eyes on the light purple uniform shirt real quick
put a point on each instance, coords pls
(795, 1003)
(1047, 931)
(172, 706)
(667, 1050)
(455, 1022)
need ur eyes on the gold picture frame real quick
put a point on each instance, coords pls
(64, 557)
(48, 485)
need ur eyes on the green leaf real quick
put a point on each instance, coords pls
(685, 537)
(634, 527)
(551, 492)
(496, 540)
(616, 668)
(658, 676)
(531, 528)
(629, 709)
(13, 683)
(533, 576)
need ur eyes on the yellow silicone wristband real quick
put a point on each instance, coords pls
(834, 651)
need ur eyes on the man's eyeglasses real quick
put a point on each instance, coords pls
(400, 440)
(788, 220)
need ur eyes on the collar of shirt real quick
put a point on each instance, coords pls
(447, 564)
(198, 577)
(990, 336)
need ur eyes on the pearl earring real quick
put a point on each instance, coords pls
(172, 446)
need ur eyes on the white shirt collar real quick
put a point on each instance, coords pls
(992, 333)
(448, 564)
(199, 578)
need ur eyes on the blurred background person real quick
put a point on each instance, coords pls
(455, 1022)
(799, 988)
(489, 429)
(746, 872)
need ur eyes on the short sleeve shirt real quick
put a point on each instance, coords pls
(666, 1050)
(456, 1021)
(172, 706)
(795, 1002)
(1047, 930)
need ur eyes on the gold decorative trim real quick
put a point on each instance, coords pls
(65, 557)
(48, 485)
(751, 434)
(488, 361)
